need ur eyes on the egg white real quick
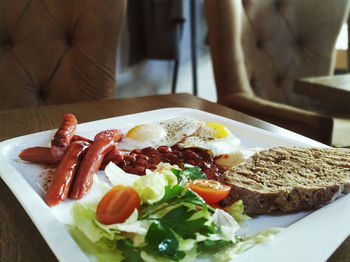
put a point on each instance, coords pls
(142, 136)
(207, 139)
(178, 128)
(167, 132)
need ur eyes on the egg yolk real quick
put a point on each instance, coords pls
(219, 130)
(145, 132)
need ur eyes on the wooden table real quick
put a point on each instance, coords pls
(332, 92)
(19, 238)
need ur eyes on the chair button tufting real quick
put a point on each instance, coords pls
(253, 83)
(279, 80)
(278, 5)
(7, 45)
(41, 93)
(245, 3)
(300, 43)
(69, 40)
(259, 43)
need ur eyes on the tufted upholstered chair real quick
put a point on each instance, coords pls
(57, 51)
(259, 47)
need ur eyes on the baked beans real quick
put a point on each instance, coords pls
(138, 160)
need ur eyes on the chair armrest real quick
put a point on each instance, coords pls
(310, 124)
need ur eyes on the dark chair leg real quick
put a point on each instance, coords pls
(193, 44)
(176, 69)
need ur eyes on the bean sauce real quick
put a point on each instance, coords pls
(138, 160)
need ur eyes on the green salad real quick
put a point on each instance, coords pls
(173, 222)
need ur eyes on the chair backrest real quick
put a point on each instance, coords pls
(262, 46)
(54, 52)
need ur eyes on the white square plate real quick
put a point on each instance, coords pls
(309, 236)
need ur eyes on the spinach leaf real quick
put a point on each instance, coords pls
(191, 197)
(171, 192)
(212, 245)
(193, 172)
(162, 242)
(160, 237)
(178, 220)
(189, 172)
(173, 195)
(177, 173)
(129, 252)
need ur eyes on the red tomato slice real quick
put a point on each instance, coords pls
(215, 205)
(211, 191)
(117, 205)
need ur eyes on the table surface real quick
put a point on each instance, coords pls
(19, 238)
(332, 92)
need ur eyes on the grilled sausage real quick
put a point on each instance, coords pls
(114, 134)
(114, 155)
(63, 136)
(81, 138)
(42, 155)
(104, 142)
(63, 177)
(38, 155)
(89, 166)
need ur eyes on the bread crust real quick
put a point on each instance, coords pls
(289, 179)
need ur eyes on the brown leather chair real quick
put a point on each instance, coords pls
(55, 52)
(259, 47)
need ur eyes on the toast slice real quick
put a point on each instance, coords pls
(289, 179)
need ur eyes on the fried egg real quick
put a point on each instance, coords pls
(213, 137)
(178, 128)
(167, 132)
(142, 136)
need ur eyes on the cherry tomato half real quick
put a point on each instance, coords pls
(211, 191)
(117, 205)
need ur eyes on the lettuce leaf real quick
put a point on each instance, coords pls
(118, 176)
(151, 187)
(84, 217)
(102, 254)
(226, 254)
(236, 210)
(227, 224)
(103, 235)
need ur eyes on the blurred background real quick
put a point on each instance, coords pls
(154, 76)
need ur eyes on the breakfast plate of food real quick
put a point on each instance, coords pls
(179, 184)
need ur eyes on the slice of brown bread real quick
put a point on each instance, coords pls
(289, 179)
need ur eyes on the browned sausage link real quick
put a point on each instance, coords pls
(114, 134)
(81, 138)
(89, 166)
(63, 177)
(114, 155)
(63, 136)
(38, 155)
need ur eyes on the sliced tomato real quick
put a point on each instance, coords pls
(211, 191)
(117, 205)
(215, 205)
